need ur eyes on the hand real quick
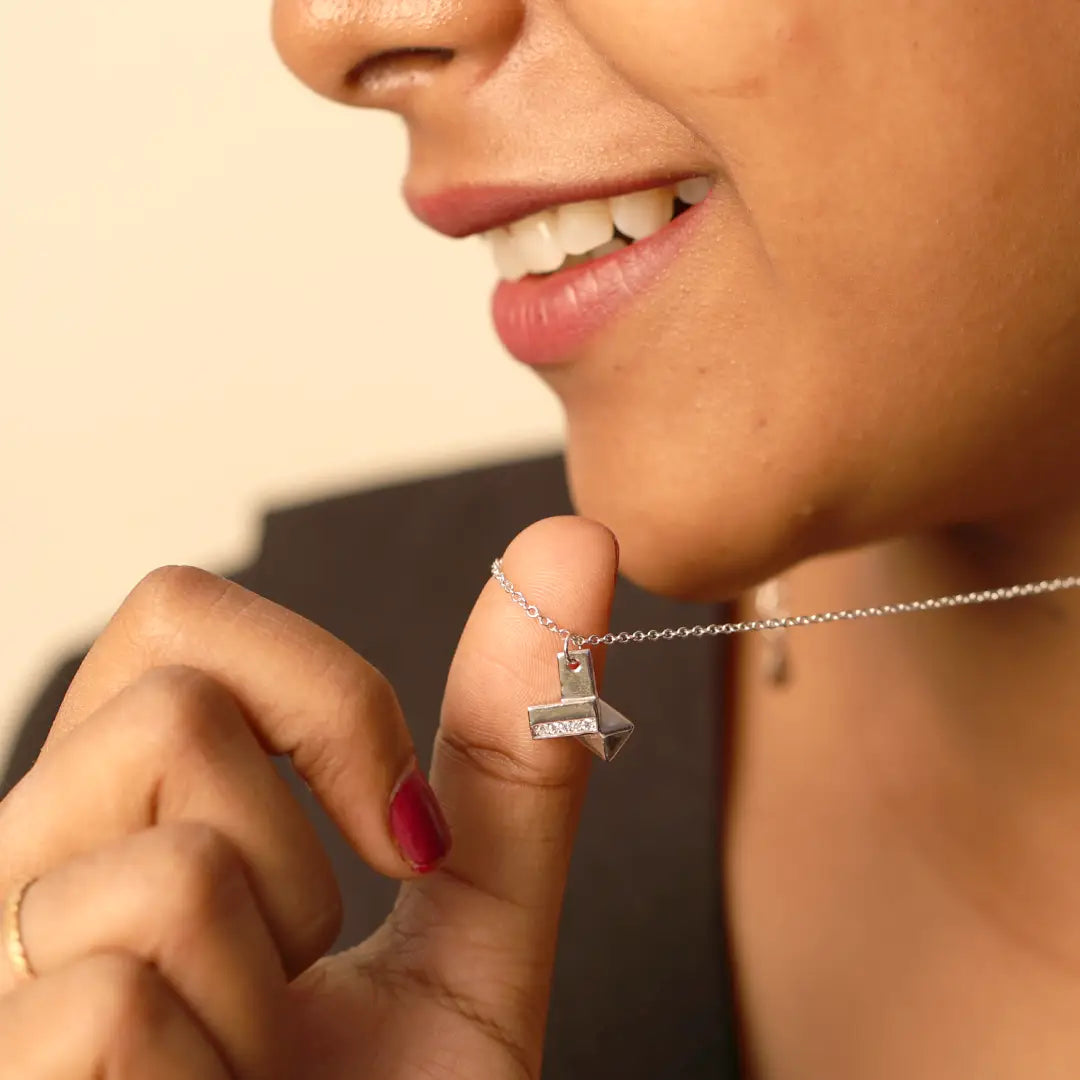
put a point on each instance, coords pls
(180, 903)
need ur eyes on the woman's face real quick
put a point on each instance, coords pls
(872, 323)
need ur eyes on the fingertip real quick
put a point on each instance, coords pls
(556, 549)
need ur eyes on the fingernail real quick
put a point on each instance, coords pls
(417, 822)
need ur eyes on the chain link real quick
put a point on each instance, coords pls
(626, 637)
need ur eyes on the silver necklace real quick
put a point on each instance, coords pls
(580, 712)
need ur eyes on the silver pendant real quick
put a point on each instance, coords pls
(581, 713)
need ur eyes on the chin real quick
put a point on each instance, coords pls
(678, 538)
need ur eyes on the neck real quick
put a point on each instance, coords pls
(964, 722)
(900, 818)
(993, 679)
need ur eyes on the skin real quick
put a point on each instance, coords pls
(888, 274)
(862, 371)
(180, 904)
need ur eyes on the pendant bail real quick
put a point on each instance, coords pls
(571, 662)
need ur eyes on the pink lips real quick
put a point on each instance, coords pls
(544, 319)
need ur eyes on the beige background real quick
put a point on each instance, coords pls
(213, 300)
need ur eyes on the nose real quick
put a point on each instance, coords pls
(389, 54)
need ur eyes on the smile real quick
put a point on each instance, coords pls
(578, 232)
(569, 271)
(569, 259)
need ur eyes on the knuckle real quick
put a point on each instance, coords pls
(161, 601)
(494, 762)
(507, 765)
(204, 870)
(361, 690)
(188, 706)
(175, 588)
(362, 696)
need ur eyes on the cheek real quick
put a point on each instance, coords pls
(682, 53)
(878, 334)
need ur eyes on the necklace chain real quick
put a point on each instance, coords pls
(626, 637)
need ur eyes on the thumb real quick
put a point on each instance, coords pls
(487, 921)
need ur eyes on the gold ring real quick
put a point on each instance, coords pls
(11, 935)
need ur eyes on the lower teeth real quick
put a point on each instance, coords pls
(616, 243)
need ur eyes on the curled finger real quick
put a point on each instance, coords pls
(176, 897)
(109, 1014)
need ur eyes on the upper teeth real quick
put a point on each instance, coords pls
(542, 242)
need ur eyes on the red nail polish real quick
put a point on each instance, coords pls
(417, 822)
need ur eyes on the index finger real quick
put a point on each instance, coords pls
(305, 692)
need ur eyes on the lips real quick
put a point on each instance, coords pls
(546, 319)
(570, 259)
